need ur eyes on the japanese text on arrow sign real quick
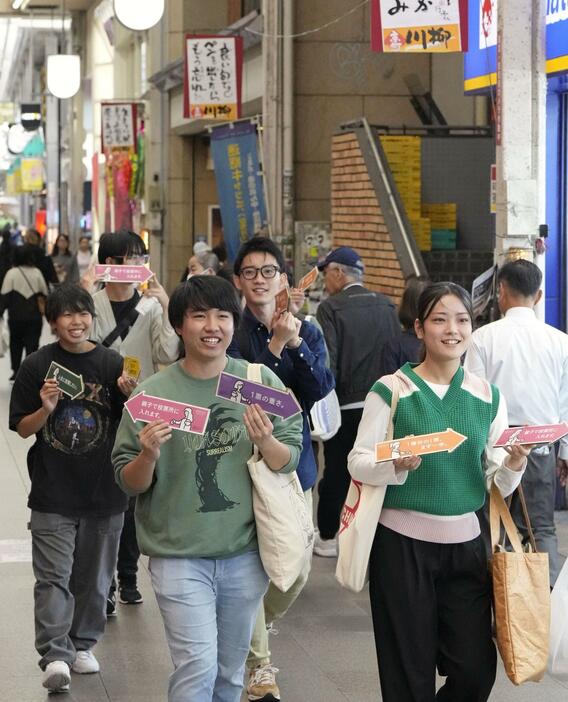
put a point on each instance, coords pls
(541, 434)
(122, 274)
(69, 383)
(419, 445)
(245, 392)
(308, 279)
(179, 415)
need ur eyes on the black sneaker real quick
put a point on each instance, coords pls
(129, 595)
(111, 605)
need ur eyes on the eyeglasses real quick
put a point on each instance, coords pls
(250, 272)
(134, 260)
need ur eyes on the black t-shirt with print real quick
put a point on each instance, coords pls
(69, 464)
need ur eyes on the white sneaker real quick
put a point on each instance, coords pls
(85, 663)
(327, 548)
(56, 676)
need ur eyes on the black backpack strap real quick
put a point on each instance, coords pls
(127, 320)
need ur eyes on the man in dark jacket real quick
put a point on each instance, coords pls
(356, 322)
(295, 351)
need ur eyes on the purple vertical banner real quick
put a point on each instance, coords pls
(239, 183)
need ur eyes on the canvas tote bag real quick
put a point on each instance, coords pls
(359, 519)
(521, 594)
(284, 524)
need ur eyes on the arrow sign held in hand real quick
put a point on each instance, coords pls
(179, 415)
(541, 434)
(420, 445)
(69, 383)
(246, 392)
(122, 274)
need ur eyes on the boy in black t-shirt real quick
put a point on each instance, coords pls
(77, 508)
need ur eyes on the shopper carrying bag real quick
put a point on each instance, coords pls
(359, 519)
(284, 525)
(521, 595)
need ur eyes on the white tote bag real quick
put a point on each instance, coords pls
(284, 525)
(359, 519)
(558, 655)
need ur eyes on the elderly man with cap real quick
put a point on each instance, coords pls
(356, 322)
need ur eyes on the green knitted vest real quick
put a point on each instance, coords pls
(445, 483)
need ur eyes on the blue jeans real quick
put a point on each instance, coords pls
(209, 609)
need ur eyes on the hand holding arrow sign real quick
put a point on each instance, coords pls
(246, 392)
(420, 445)
(179, 415)
(122, 274)
(535, 434)
(69, 383)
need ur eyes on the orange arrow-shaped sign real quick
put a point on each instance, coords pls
(420, 445)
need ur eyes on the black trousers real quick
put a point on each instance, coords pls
(128, 551)
(431, 606)
(333, 486)
(23, 335)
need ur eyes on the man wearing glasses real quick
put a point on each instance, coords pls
(296, 352)
(138, 327)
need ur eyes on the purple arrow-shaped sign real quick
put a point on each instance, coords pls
(122, 274)
(246, 392)
(179, 415)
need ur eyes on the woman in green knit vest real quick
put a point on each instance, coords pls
(429, 585)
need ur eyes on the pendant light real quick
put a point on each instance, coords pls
(63, 70)
(139, 14)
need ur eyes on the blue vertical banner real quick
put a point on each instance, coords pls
(239, 183)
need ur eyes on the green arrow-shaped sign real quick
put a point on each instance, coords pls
(68, 382)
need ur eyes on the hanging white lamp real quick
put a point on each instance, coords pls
(139, 14)
(63, 75)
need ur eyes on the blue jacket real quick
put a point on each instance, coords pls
(303, 370)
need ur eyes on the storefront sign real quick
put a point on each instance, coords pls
(213, 74)
(480, 61)
(419, 26)
(239, 183)
(118, 125)
(32, 174)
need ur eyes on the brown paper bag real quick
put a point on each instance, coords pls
(521, 597)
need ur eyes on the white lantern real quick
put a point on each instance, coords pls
(139, 14)
(63, 75)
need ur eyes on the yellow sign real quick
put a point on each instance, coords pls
(31, 174)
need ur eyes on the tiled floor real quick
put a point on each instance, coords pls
(324, 647)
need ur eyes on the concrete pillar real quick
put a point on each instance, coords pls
(52, 145)
(521, 127)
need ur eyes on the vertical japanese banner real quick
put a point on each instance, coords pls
(403, 26)
(118, 136)
(239, 183)
(213, 77)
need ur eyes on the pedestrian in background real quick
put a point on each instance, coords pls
(356, 322)
(202, 263)
(528, 361)
(429, 582)
(21, 289)
(41, 260)
(84, 255)
(64, 262)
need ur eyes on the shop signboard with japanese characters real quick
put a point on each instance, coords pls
(480, 61)
(213, 74)
(418, 26)
(118, 125)
(239, 183)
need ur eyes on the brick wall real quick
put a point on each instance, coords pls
(357, 220)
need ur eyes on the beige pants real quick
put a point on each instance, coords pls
(275, 605)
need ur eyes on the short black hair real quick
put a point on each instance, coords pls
(26, 255)
(258, 244)
(201, 293)
(120, 244)
(68, 298)
(522, 276)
